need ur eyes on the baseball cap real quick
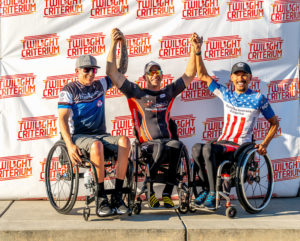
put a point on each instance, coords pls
(86, 61)
(241, 66)
(149, 65)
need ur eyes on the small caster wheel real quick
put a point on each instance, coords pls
(231, 212)
(137, 208)
(86, 213)
(192, 209)
(183, 208)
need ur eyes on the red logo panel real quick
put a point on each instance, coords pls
(283, 90)
(109, 8)
(17, 85)
(185, 125)
(62, 8)
(15, 167)
(242, 10)
(226, 47)
(40, 46)
(285, 11)
(175, 46)
(92, 44)
(154, 8)
(261, 129)
(35, 128)
(123, 126)
(16, 8)
(212, 128)
(195, 9)
(286, 168)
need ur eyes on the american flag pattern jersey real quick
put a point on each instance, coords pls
(240, 112)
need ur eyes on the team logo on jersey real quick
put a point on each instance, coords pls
(283, 90)
(15, 167)
(167, 79)
(18, 85)
(245, 10)
(285, 11)
(226, 47)
(137, 45)
(123, 126)
(10, 8)
(212, 128)
(261, 129)
(109, 8)
(62, 8)
(154, 8)
(254, 84)
(286, 168)
(175, 46)
(185, 125)
(195, 9)
(92, 43)
(197, 90)
(99, 103)
(55, 169)
(265, 49)
(35, 128)
(40, 46)
(54, 84)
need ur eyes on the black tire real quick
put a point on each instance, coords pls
(137, 208)
(61, 179)
(86, 213)
(131, 180)
(184, 187)
(255, 181)
(231, 212)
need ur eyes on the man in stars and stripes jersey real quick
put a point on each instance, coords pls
(150, 108)
(241, 110)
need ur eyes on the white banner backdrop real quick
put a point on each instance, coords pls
(40, 41)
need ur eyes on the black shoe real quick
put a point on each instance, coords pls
(103, 208)
(119, 205)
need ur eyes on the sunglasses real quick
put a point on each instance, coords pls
(88, 69)
(153, 72)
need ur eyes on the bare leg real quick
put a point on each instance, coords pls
(97, 158)
(122, 162)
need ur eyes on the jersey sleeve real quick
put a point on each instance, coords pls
(65, 99)
(130, 89)
(217, 89)
(176, 87)
(265, 108)
(106, 83)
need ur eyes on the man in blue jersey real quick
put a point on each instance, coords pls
(82, 124)
(241, 110)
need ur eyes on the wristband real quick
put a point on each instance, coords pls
(198, 53)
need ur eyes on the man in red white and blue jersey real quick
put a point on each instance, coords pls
(241, 110)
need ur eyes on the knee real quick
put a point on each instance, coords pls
(97, 148)
(197, 150)
(124, 142)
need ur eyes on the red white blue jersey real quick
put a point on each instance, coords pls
(240, 112)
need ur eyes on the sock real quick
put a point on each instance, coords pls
(119, 186)
(101, 190)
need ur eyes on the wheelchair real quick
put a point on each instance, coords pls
(250, 173)
(142, 163)
(62, 180)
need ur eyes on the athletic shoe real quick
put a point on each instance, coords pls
(119, 205)
(168, 203)
(154, 203)
(201, 198)
(210, 201)
(103, 208)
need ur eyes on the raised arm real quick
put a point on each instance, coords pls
(115, 74)
(190, 70)
(274, 124)
(201, 70)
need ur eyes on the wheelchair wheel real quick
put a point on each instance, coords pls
(255, 181)
(131, 184)
(184, 188)
(61, 179)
